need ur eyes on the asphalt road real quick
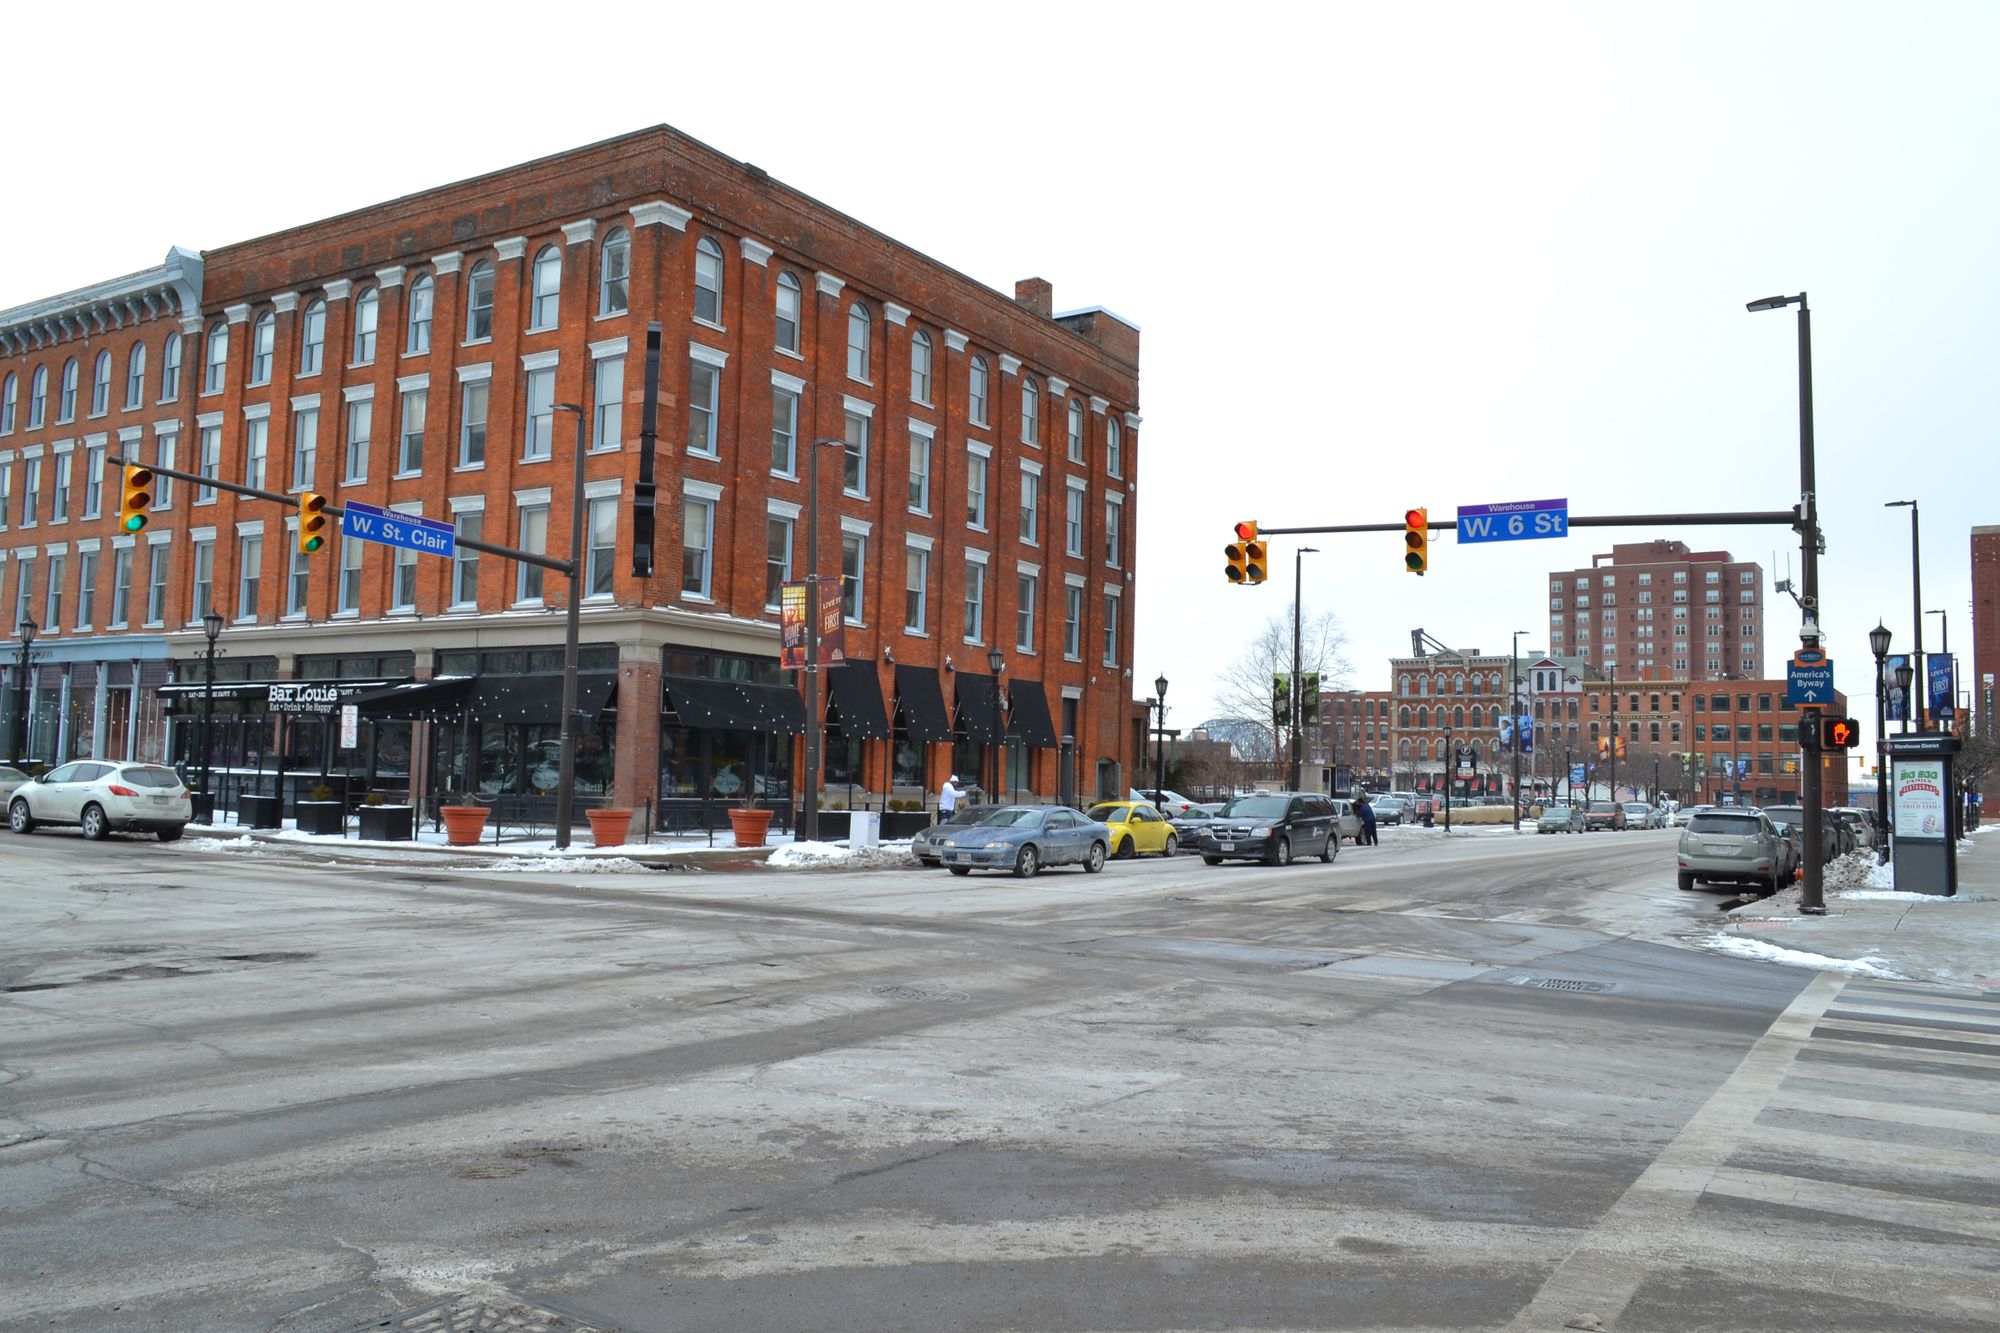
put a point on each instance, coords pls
(1438, 1085)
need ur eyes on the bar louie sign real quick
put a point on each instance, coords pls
(306, 697)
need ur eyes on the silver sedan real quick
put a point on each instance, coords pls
(1023, 839)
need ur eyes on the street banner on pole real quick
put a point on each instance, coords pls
(1938, 669)
(793, 599)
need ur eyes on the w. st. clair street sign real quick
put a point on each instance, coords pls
(371, 524)
(1514, 521)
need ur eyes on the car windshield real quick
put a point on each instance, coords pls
(1786, 814)
(1734, 826)
(148, 775)
(1256, 807)
(970, 814)
(1604, 807)
(1107, 814)
(1015, 816)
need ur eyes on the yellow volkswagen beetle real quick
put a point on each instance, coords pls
(1136, 828)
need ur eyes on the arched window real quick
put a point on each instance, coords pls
(170, 369)
(1437, 748)
(857, 342)
(135, 376)
(38, 397)
(1479, 716)
(1403, 717)
(1031, 410)
(1458, 683)
(367, 312)
(1495, 682)
(1458, 718)
(1423, 686)
(479, 302)
(263, 342)
(66, 404)
(1438, 686)
(920, 366)
(1403, 749)
(1403, 687)
(312, 337)
(100, 384)
(10, 396)
(614, 273)
(1423, 717)
(545, 306)
(791, 300)
(1114, 447)
(215, 371)
(423, 297)
(708, 281)
(977, 392)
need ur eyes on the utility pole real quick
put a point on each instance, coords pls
(1297, 709)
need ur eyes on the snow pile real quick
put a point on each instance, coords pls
(567, 865)
(1855, 871)
(802, 855)
(1767, 952)
(241, 843)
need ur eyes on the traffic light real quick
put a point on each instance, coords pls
(135, 504)
(1417, 540)
(1838, 733)
(312, 522)
(1246, 556)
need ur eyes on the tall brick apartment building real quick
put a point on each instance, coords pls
(1658, 604)
(977, 488)
(1985, 626)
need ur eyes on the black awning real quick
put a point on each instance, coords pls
(708, 704)
(775, 710)
(978, 707)
(1028, 714)
(535, 699)
(854, 696)
(439, 700)
(920, 704)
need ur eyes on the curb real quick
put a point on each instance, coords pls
(656, 857)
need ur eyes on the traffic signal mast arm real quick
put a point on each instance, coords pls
(291, 502)
(1785, 517)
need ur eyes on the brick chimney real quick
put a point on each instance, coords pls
(1037, 295)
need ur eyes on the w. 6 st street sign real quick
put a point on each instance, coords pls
(1515, 521)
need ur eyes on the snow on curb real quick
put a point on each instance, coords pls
(820, 855)
(1766, 952)
(564, 865)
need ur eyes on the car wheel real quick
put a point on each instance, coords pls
(1686, 881)
(1027, 863)
(1211, 860)
(1095, 861)
(1124, 849)
(960, 870)
(1332, 849)
(1281, 852)
(95, 826)
(19, 819)
(171, 834)
(1173, 845)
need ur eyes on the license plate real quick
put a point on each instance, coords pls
(1227, 846)
(160, 800)
(954, 856)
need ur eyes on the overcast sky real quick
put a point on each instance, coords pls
(1382, 255)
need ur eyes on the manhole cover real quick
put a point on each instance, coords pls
(1565, 984)
(480, 1314)
(918, 994)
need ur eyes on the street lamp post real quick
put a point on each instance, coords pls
(808, 828)
(1160, 741)
(572, 627)
(1514, 725)
(1298, 680)
(1812, 897)
(211, 626)
(1878, 644)
(1905, 677)
(995, 659)
(1914, 706)
(26, 630)
(1944, 651)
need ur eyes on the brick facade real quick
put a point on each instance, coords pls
(1647, 605)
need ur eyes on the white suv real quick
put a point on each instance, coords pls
(102, 797)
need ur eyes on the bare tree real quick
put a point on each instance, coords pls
(1243, 691)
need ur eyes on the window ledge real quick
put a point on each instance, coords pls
(354, 481)
(469, 467)
(786, 351)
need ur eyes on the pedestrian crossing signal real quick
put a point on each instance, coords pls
(312, 522)
(1416, 540)
(136, 500)
(1838, 733)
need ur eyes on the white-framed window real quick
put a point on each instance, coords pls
(256, 450)
(348, 594)
(1073, 621)
(470, 523)
(603, 544)
(24, 588)
(531, 534)
(249, 573)
(121, 587)
(854, 476)
(135, 381)
(66, 402)
(59, 502)
(857, 342)
(360, 427)
(410, 440)
(790, 303)
(423, 300)
(263, 347)
(403, 570)
(216, 371)
(1114, 530)
(539, 440)
(778, 533)
(298, 577)
(203, 580)
(614, 273)
(704, 396)
(708, 281)
(1114, 447)
(1027, 586)
(853, 570)
(38, 398)
(784, 430)
(52, 610)
(975, 600)
(312, 337)
(31, 493)
(6, 490)
(1114, 600)
(1712, 576)
(697, 546)
(479, 302)
(305, 448)
(920, 366)
(93, 481)
(170, 369)
(545, 304)
(920, 473)
(1073, 503)
(1031, 410)
(157, 554)
(607, 399)
(163, 454)
(10, 394)
(367, 313)
(1076, 436)
(100, 385)
(916, 588)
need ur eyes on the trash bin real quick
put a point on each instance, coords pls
(864, 830)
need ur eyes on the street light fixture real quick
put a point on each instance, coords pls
(1916, 612)
(1160, 740)
(1878, 644)
(211, 628)
(26, 630)
(995, 659)
(808, 824)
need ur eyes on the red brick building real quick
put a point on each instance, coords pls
(1660, 605)
(1985, 683)
(978, 477)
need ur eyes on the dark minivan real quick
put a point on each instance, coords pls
(1272, 827)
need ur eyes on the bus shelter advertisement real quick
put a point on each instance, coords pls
(1920, 798)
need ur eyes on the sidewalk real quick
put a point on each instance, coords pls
(537, 853)
(1871, 930)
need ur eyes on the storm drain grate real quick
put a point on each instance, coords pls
(1566, 984)
(478, 1314)
(918, 994)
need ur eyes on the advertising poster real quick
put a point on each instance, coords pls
(793, 599)
(1919, 788)
(832, 623)
(1939, 671)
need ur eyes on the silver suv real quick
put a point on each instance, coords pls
(1735, 847)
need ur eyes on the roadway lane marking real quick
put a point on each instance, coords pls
(1882, 1206)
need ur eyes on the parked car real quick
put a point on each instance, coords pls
(1273, 827)
(1862, 823)
(1560, 819)
(104, 798)
(1736, 847)
(1190, 822)
(1346, 820)
(1170, 803)
(1640, 815)
(1025, 838)
(11, 779)
(1391, 809)
(1608, 815)
(1686, 813)
(1793, 819)
(1136, 828)
(925, 845)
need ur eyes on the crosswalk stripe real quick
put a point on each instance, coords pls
(1897, 1154)
(1986, 1019)
(1890, 1113)
(1905, 1038)
(1858, 1201)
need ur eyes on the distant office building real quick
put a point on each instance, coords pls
(1659, 605)
(1985, 627)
